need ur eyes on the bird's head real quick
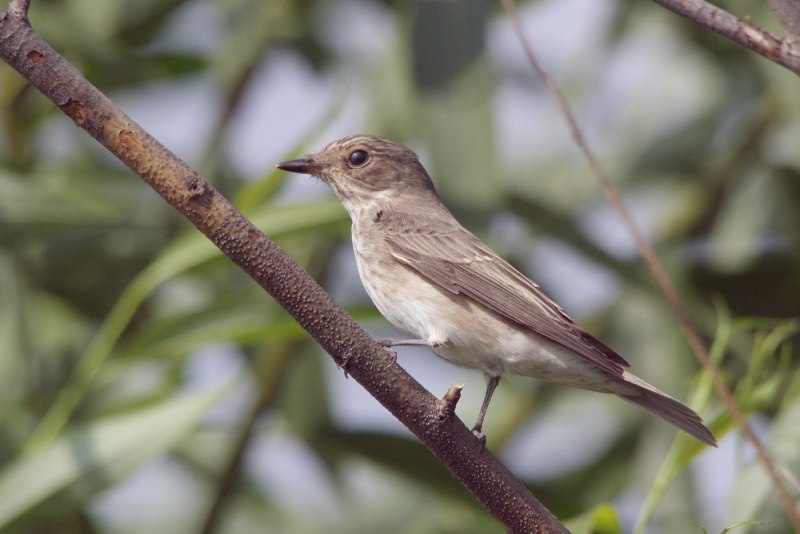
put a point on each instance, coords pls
(360, 168)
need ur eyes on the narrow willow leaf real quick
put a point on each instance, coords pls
(100, 453)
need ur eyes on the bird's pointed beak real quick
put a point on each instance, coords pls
(301, 166)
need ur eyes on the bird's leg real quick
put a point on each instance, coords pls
(491, 384)
(391, 342)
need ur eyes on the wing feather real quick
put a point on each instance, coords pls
(459, 262)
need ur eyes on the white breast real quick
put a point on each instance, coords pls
(406, 300)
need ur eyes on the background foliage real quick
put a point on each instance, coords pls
(147, 385)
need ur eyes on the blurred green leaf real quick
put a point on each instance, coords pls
(99, 454)
(753, 497)
(404, 455)
(186, 253)
(600, 520)
(447, 40)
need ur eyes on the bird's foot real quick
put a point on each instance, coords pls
(476, 431)
(392, 356)
(388, 342)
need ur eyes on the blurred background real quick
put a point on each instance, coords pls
(148, 385)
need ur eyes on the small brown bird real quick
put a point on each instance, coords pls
(432, 278)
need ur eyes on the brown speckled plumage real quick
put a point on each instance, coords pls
(433, 278)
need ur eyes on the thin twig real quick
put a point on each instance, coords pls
(742, 31)
(656, 268)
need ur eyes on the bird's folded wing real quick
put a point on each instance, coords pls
(462, 264)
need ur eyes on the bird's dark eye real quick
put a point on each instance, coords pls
(358, 158)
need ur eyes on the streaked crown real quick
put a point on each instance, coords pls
(362, 165)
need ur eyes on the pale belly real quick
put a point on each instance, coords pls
(468, 335)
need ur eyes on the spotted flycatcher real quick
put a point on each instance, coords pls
(431, 277)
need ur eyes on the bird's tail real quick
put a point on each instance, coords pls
(662, 405)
